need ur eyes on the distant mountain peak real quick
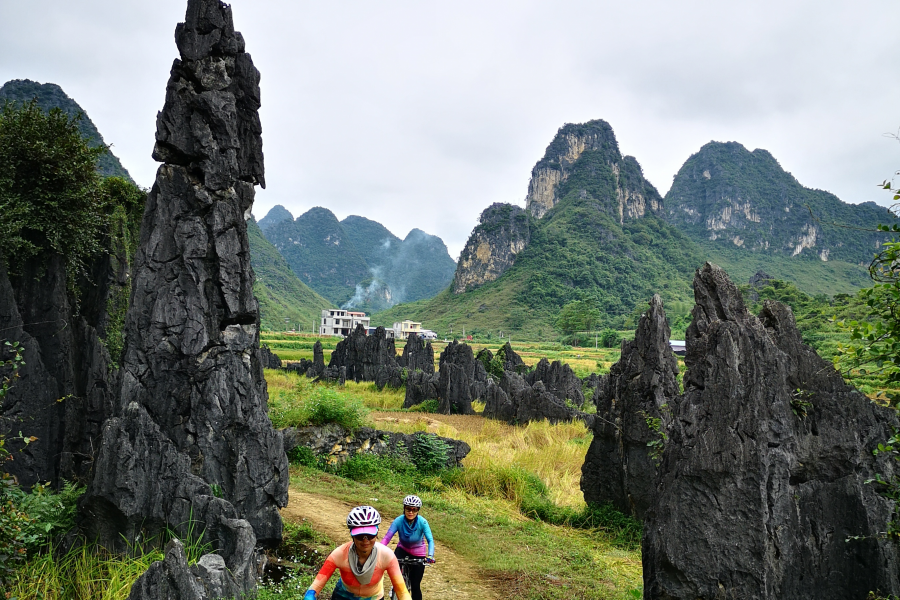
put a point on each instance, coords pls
(584, 160)
(727, 195)
(50, 95)
(276, 215)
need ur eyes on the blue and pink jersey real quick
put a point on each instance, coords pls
(415, 539)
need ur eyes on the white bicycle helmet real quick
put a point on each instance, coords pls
(363, 519)
(412, 500)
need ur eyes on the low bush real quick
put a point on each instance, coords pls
(308, 404)
(429, 406)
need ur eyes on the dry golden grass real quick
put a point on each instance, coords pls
(554, 453)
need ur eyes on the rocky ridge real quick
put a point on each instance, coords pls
(501, 234)
(730, 197)
(760, 492)
(190, 441)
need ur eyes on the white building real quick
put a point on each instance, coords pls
(404, 328)
(336, 321)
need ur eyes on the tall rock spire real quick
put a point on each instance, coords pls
(192, 440)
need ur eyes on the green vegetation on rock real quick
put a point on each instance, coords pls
(731, 197)
(49, 96)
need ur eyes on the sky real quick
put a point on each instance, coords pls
(419, 114)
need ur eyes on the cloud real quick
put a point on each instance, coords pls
(419, 115)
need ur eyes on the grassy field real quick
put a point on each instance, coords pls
(483, 512)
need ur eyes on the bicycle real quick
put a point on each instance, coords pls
(404, 562)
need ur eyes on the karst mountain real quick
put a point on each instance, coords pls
(358, 263)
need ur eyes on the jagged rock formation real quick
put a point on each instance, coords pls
(559, 379)
(269, 359)
(619, 467)
(67, 387)
(367, 358)
(733, 197)
(191, 441)
(515, 401)
(335, 445)
(461, 379)
(420, 386)
(580, 153)
(762, 480)
(510, 360)
(502, 233)
(417, 355)
(211, 577)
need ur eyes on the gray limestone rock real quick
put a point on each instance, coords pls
(462, 379)
(417, 355)
(756, 500)
(420, 386)
(618, 467)
(192, 441)
(336, 444)
(559, 379)
(269, 359)
(68, 384)
(367, 357)
(515, 401)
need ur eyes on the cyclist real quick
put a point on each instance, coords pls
(415, 540)
(362, 563)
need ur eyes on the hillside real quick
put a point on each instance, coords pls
(596, 233)
(50, 95)
(284, 301)
(726, 197)
(358, 263)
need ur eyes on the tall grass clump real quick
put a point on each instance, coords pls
(295, 401)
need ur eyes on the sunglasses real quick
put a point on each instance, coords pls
(364, 537)
(410, 509)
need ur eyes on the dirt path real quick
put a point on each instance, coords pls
(450, 577)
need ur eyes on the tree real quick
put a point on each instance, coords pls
(876, 346)
(51, 199)
(580, 315)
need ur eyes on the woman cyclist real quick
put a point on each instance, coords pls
(362, 563)
(415, 540)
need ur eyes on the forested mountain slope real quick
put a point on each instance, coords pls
(727, 197)
(50, 95)
(285, 302)
(358, 263)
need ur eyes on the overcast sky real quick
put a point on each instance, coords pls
(419, 114)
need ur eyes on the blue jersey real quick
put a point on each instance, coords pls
(415, 538)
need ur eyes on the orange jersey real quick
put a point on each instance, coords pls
(385, 562)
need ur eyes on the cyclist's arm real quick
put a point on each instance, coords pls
(430, 538)
(396, 576)
(388, 536)
(321, 579)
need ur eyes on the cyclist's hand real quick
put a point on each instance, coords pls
(310, 595)
(429, 560)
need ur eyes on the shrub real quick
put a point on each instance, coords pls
(429, 453)
(330, 406)
(303, 455)
(428, 406)
(315, 405)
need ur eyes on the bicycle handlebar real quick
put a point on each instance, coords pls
(409, 560)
